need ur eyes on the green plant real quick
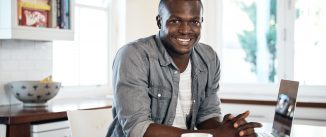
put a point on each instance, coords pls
(248, 39)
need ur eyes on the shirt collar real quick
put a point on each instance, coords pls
(165, 59)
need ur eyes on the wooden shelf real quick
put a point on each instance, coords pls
(10, 29)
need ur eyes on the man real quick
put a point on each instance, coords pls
(165, 85)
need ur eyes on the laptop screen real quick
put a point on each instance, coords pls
(284, 112)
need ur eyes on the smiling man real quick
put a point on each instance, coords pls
(166, 84)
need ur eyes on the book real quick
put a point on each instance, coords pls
(62, 14)
(67, 15)
(59, 13)
(53, 14)
(34, 14)
(19, 11)
(36, 1)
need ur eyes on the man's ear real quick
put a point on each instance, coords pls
(158, 21)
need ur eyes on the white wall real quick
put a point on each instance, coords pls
(23, 60)
(140, 19)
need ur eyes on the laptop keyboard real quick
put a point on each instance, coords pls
(263, 134)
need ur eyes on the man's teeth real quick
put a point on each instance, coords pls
(183, 40)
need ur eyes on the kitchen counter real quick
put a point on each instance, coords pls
(19, 119)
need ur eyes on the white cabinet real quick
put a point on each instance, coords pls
(259, 113)
(265, 113)
(2, 130)
(10, 28)
(310, 116)
(52, 129)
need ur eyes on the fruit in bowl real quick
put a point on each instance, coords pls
(33, 93)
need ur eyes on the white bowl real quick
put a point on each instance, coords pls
(33, 93)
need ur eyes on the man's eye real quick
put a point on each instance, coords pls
(196, 22)
(175, 21)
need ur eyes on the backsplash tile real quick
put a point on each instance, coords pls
(23, 60)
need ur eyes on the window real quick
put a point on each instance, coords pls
(310, 42)
(264, 41)
(84, 61)
(249, 41)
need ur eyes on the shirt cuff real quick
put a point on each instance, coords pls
(202, 119)
(140, 129)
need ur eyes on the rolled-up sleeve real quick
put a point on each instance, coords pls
(130, 91)
(210, 107)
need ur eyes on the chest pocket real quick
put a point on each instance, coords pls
(160, 101)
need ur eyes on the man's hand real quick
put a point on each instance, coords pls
(226, 129)
(230, 127)
(241, 126)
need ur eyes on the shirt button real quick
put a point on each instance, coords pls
(175, 72)
(194, 101)
(159, 95)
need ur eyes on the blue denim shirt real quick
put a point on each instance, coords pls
(146, 86)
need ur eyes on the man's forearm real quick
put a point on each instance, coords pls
(158, 130)
(211, 123)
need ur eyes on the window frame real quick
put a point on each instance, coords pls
(105, 89)
(285, 53)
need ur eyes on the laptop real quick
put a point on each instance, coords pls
(284, 111)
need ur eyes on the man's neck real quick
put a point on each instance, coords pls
(181, 61)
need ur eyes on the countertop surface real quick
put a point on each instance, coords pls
(55, 109)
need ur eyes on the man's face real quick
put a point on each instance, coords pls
(180, 25)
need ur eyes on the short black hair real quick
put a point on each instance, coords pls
(162, 4)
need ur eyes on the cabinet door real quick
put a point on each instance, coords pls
(259, 113)
(3, 130)
(51, 129)
(265, 113)
(310, 116)
(54, 133)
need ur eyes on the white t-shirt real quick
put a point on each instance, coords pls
(184, 99)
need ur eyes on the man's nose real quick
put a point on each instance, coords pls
(184, 28)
